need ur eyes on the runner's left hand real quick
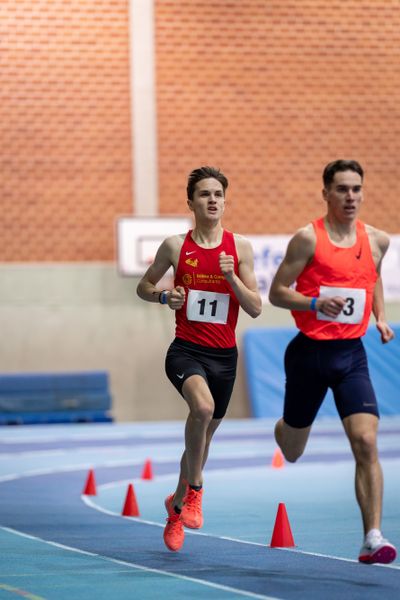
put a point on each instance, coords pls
(227, 265)
(385, 330)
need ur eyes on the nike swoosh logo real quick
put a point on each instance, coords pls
(180, 376)
(192, 252)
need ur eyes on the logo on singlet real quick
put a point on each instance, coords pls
(187, 279)
(192, 262)
(191, 252)
(180, 376)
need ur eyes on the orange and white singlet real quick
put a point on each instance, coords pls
(334, 271)
(210, 312)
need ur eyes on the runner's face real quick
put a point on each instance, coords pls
(208, 200)
(344, 195)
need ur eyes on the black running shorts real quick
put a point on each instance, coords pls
(313, 366)
(216, 365)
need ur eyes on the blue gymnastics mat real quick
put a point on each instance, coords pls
(71, 397)
(263, 356)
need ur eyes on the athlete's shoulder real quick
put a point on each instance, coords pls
(240, 240)
(378, 237)
(175, 242)
(302, 245)
(244, 247)
(176, 239)
(171, 247)
(305, 236)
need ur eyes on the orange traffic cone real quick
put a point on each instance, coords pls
(277, 460)
(282, 535)
(147, 472)
(90, 485)
(130, 508)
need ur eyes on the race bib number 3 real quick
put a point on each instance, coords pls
(353, 311)
(207, 307)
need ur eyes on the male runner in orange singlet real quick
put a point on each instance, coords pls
(336, 263)
(214, 275)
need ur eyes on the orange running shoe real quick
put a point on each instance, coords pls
(192, 515)
(174, 533)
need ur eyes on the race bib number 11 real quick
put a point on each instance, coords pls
(207, 307)
(353, 311)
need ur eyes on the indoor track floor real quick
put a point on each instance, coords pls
(58, 544)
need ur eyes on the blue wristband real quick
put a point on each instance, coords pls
(163, 297)
(313, 303)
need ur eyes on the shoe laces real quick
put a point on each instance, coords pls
(173, 519)
(193, 500)
(375, 540)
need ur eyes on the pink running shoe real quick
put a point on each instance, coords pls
(377, 550)
(174, 534)
(192, 515)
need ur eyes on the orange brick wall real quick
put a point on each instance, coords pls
(272, 90)
(269, 90)
(65, 150)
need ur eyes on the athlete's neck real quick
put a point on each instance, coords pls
(208, 237)
(341, 233)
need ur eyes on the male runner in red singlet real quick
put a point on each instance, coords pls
(336, 263)
(214, 275)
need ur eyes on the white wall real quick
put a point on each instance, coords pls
(82, 317)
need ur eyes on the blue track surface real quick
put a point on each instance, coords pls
(58, 545)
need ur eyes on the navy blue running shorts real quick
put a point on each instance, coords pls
(313, 366)
(216, 365)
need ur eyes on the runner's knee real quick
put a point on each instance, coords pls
(202, 412)
(292, 453)
(364, 446)
(292, 448)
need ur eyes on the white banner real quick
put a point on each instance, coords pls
(269, 251)
(139, 237)
(391, 270)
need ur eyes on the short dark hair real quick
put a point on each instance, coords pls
(204, 173)
(340, 165)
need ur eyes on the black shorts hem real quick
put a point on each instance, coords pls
(178, 383)
(362, 412)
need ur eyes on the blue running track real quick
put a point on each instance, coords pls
(58, 545)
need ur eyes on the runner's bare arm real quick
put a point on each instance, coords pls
(380, 244)
(165, 258)
(245, 286)
(299, 253)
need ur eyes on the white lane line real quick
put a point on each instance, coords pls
(76, 467)
(91, 504)
(224, 588)
(78, 451)
(87, 500)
